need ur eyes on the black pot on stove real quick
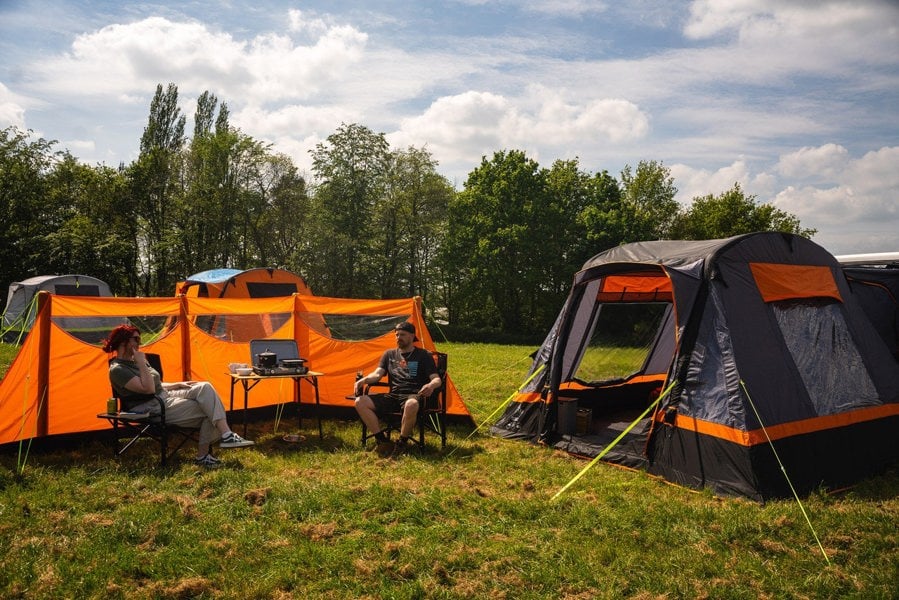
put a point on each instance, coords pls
(267, 360)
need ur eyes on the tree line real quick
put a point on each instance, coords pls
(496, 256)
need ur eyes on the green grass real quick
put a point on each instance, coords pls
(323, 519)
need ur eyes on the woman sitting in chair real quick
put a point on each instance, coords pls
(187, 403)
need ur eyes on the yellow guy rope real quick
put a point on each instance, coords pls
(501, 406)
(784, 471)
(614, 442)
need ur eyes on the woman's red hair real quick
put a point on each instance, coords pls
(118, 336)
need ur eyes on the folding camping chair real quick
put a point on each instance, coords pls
(431, 411)
(138, 426)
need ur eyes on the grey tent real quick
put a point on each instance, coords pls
(18, 315)
(874, 279)
(755, 352)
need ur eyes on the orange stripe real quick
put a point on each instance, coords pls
(775, 432)
(529, 397)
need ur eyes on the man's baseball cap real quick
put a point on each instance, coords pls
(408, 328)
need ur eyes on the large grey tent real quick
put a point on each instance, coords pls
(756, 354)
(19, 312)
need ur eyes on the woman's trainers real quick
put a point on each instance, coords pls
(208, 461)
(232, 440)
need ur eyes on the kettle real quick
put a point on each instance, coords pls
(267, 359)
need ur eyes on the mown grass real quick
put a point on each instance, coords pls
(324, 519)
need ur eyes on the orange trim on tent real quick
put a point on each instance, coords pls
(785, 282)
(776, 432)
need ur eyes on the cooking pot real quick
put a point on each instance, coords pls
(267, 359)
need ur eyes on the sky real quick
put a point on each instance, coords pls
(795, 100)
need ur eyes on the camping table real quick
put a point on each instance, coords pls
(248, 382)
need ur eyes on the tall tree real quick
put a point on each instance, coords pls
(648, 193)
(26, 216)
(350, 169)
(495, 245)
(98, 224)
(733, 213)
(155, 181)
(408, 224)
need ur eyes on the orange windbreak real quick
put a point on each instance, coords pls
(785, 282)
(65, 380)
(775, 432)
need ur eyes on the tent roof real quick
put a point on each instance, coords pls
(875, 258)
(40, 279)
(213, 276)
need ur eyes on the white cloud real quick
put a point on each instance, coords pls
(122, 59)
(478, 123)
(823, 163)
(694, 183)
(12, 111)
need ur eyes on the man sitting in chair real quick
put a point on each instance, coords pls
(412, 375)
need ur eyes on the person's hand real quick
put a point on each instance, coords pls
(359, 386)
(139, 357)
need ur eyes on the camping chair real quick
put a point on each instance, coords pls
(141, 425)
(431, 411)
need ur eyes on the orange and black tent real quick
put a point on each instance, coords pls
(719, 364)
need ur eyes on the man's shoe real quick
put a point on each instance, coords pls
(208, 461)
(384, 449)
(232, 440)
(400, 448)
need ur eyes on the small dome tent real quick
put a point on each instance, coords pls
(18, 315)
(262, 282)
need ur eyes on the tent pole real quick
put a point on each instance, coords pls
(44, 301)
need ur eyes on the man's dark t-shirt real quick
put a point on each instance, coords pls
(408, 372)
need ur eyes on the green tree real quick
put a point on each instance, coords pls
(733, 213)
(648, 196)
(408, 224)
(350, 169)
(222, 198)
(26, 216)
(281, 232)
(496, 241)
(155, 181)
(97, 224)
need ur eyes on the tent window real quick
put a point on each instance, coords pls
(834, 374)
(270, 290)
(242, 328)
(354, 328)
(93, 330)
(77, 290)
(621, 341)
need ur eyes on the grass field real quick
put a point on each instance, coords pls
(326, 520)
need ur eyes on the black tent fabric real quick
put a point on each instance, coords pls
(757, 337)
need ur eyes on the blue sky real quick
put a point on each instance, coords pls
(794, 99)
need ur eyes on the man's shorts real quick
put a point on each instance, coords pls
(390, 402)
